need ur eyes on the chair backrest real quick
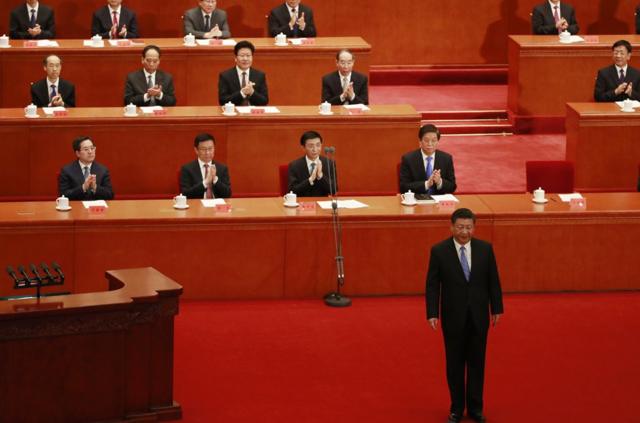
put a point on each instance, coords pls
(639, 178)
(552, 176)
(178, 180)
(398, 177)
(283, 177)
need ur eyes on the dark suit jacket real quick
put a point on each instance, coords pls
(191, 181)
(103, 20)
(299, 179)
(279, 22)
(71, 180)
(229, 88)
(332, 88)
(448, 294)
(543, 22)
(40, 93)
(193, 22)
(607, 81)
(19, 22)
(136, 87)
(638, 20)
(413, 173)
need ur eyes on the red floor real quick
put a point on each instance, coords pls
(442, 97)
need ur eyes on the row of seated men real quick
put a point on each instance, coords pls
(33, 20)
(426, 170)
(240, 85)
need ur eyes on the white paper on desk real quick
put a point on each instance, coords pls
(576, 39)
(565, 198)
(88, 204)
(297, 41)
(356, 106)
(47, 43)
(634, 103)
(50, 110)
(267, 109)
(342, 204)
(149, 109)
(229, 42)
(445, 197)
(89, 43)
(224, 43)
(212, 202)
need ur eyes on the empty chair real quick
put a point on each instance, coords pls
(553, 176)
(283, 174)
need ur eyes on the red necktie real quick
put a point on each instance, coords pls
(114, 33)
(243, 84)
(209, 193)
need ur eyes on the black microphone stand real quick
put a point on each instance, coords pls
(335, 299)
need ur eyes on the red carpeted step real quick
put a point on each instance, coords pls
(472, 126)
(417, 75)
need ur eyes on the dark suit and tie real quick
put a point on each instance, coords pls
(229, 85)
(22, 19)
(299, 174)
(280, 17)
(608, 80)
(137, 85)
(461, 293)
(191, 184)
(195, 23)
(413, 173)
(72, 176)
(543, 21)
(332, 88)
(41, 93)
(103, 20)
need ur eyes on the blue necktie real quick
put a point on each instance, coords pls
(32, 21)
(85, 172)
(621, 78)
(429, 171)
(53, 91)
(464, 263)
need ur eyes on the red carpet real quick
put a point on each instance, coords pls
(442, 97)
(566, 357)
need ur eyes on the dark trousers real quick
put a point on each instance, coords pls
(465, 353)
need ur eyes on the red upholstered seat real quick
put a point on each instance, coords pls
(551, 176)
(283, 174)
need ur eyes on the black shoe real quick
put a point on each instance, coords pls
(477, 417)
(454, 418)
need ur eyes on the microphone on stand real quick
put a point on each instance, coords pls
(45, 268)
(57, 268)
(34, 270)
(12, 273)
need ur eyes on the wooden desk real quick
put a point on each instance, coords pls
(262, 250)
(294, 73)
(604, 144)
(544, 74)
(103, 356)
(252, 145)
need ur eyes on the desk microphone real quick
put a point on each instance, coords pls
(34, 270)
(44, 267)
(57, 268)
(12, 273)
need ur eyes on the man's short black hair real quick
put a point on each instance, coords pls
(309, 135)
(202, 138)
(462, 214)
(345, 50)
(46, 58)
(425, 129)
(244, 44)
(76, 143)
(624, 43)
(150, 47)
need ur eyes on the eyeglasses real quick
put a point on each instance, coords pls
(206, 150)
(429, 142)
(345, 62)
(88, 149)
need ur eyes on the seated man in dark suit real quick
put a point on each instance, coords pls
(114, 21)
(309, 175)
(243, 85)
(427, 170)
(205, 21)
(32, 21)
(293, 19)
(637, 19)
(345, 86)
(204, 177)
(550, 18)
(619, 81)
(85, 179)
(149, 86)
(53, 91)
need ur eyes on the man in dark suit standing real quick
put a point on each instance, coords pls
(293, 19)
(149, 86)
(243, 85)
(427, 170)
(85, 179)
(53, 91)
(619, 81)
(32, 21)
(204, 177)
(114, 21)
(551, 17)
(462, 287)
(205, 21)
(309, 176)
(345, 86)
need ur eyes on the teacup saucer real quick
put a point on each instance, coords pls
(63, 208)
(628, 111)
(566, 41)
(7, 46)
(544, 201)
(190, 45)
(230, 114)
(130, 115)
(282, 44)
(326, 113)
(291, 204)
(32, 117)
(186, 206)
(404, 203)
